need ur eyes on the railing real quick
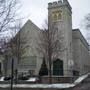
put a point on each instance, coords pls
(58, 79)
(57, 76)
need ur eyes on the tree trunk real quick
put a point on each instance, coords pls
(50, 71)
(50, 64)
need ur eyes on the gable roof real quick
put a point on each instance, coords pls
(77, 34)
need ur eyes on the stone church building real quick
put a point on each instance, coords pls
(74, 58)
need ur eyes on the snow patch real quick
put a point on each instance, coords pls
(4, 85)
(2, 78)
(32, 79)
(66, 85)
(60, 86)
(80, 79)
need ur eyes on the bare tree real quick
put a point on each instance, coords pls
(50, 44)
(14, 46)
(4, 53)
(8, 20)
(8, 14)
(87, 18)
(19, 44)
(8, 23)
(87, 26)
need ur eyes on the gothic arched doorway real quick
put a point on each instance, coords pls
(58, 67)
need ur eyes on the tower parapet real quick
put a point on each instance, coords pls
(59, 3)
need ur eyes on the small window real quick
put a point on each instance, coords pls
(56, 15)
(59, 16)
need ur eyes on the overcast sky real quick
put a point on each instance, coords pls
(36, 10)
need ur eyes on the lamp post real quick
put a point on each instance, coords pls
(12, 72)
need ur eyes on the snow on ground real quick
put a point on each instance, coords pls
(66, 85)
(59, 86)
(80, 79)
(4, 85)
(32, 79)
(2, 78)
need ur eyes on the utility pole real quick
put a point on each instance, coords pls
(12, 72)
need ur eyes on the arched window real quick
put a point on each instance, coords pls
(59, 16)
(54, 17)
(58, 67)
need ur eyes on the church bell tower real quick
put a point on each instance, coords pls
(60, 15)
